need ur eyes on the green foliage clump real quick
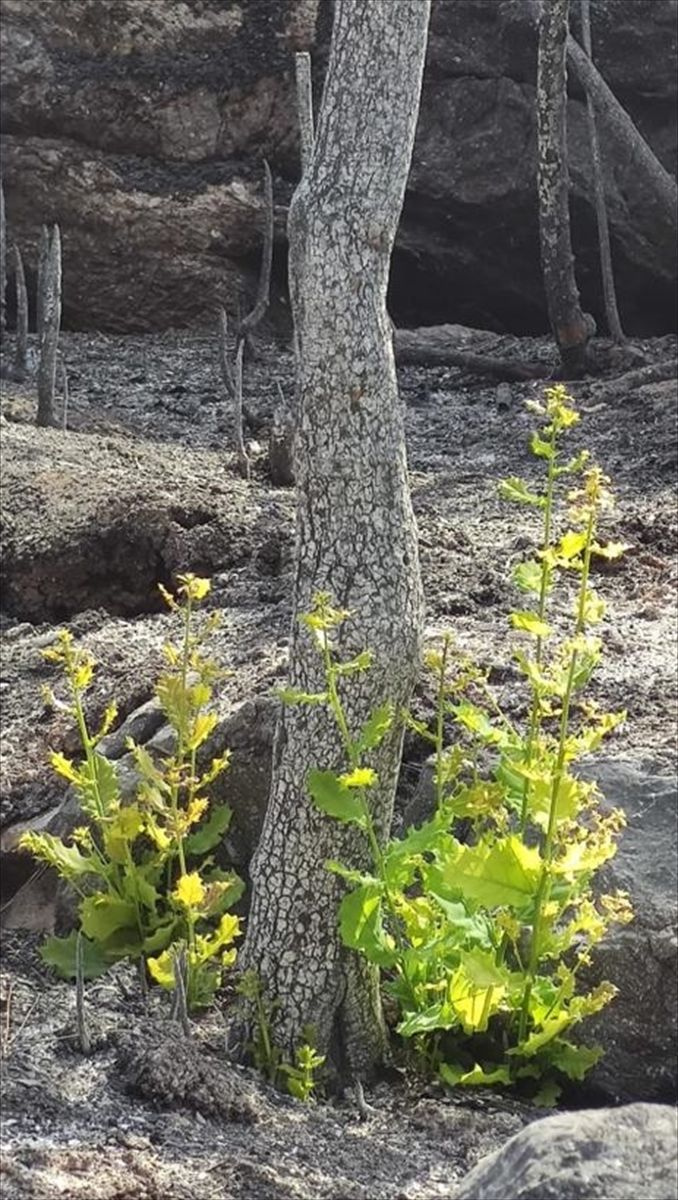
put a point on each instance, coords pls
(148, 887)
(483, 918)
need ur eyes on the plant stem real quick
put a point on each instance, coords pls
(535, 711)
(440, 723)
(544, 888)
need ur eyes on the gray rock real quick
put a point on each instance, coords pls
(182, 148)
(139, 725)
(639, 1029)
(596, 1154)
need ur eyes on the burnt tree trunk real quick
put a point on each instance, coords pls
(3, 260)
(570, 328)
(356, 534)
(609, 292)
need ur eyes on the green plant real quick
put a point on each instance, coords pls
(143, 872)
(483, 918)
(265, 1053)
(301, 1081)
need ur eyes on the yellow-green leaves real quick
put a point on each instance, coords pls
(483, 916)
(503, 873)
(139, 868)
(529, 622)
(517, 490)
(337, 798)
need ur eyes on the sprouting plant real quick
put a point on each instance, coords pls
(301, 1075)
(483, 918)
(146, 881)
(268, 1058)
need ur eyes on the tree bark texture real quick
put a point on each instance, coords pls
(609, 292)
(21, 349)
(356, 534)
(569, 327)
(49, 334)
(3, 260)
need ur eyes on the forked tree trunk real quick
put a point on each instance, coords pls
(570, 329)
(356, 535)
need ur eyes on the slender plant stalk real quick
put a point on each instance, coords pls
(83, 1034)
(21, 351)
(544, 888)
(535, 709)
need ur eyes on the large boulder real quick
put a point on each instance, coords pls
(639, 1030)
(159, 202)
(599, 1154)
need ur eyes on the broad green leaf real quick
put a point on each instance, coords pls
(437, 1016)
(160, 938)
(223, 890)
(529, 622)
(375, 728)
(528, 576)
(476, 990)
(210, 832)
(541, 448)
(469, 930)
(60, 952)
(68, 861)
(505, 873)
(361, 926)
(574, 1061)
(103, 914)
(550, 1029)
(332, 797)
(548, 1094)
(517, 490)
(455, 1075)
(571, 544)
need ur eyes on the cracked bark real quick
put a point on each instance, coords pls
(571, 329)
(356, 535)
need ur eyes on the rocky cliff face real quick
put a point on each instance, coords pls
(140, 126)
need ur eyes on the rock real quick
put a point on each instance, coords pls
(599, 1154)
(639, 1029)
(167, 188)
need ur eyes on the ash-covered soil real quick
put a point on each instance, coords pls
(143, 484)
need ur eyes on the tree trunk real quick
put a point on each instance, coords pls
(570, 329)
(607, 274)
(356, 534)
(623, 140)
(21, 348)
(49, 335)
(3, 260)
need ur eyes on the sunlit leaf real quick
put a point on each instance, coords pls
(334, 798)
